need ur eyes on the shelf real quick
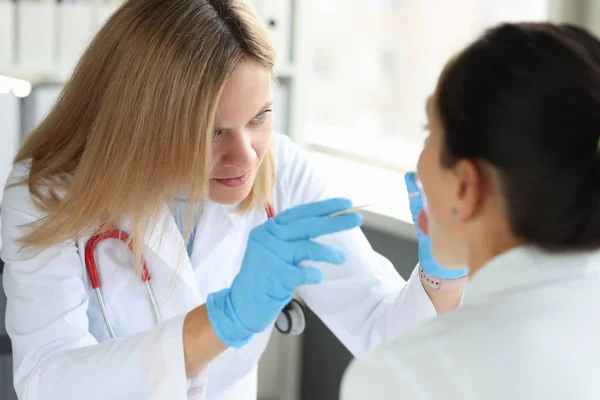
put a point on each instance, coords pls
(60, 76)
(36, 77)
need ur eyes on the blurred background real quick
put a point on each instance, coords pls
(353, 78)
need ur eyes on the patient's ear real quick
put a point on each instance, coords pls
(470, 191)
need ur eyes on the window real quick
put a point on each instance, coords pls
(371, 66)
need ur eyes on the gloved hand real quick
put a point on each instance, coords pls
(271, 269)
(429, 265)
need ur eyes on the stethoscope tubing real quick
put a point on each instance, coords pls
(92, 271)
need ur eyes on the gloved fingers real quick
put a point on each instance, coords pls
(307, 250)
(312, 210)
(294, 252)
(311, 228)
(299, 275)
(414, 195)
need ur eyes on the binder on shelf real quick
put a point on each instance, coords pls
(36, 106)
(36, 23)
(7, 34)
(10, 134)
(281, 97)
(74, 31)
(102, 10)
(276, 15)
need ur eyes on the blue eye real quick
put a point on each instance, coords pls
(261, 117)
(215, 134)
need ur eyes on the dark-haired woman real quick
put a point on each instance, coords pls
(511, 173)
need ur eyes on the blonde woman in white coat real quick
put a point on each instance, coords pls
(511, 174)
(171, 105)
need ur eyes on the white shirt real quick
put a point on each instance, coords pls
(529, 328)
(61, 346)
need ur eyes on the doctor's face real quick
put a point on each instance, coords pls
(243, 129)
(439, 186)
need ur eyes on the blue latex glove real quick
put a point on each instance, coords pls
(271, 269)
(429, 265)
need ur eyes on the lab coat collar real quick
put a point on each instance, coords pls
(527, 267)
(166, 242)
(257, 216)
(214, 225)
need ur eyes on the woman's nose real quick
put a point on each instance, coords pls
(239, 152)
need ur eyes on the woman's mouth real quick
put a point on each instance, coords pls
(235, 181)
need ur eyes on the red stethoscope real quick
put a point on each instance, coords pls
(291, 320)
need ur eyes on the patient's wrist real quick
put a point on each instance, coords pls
(442, 284)
(445, 294)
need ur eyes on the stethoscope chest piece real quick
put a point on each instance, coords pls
(292, 319)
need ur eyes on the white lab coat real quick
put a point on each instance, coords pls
(62, 349)
(528, 328)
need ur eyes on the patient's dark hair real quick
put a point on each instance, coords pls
(526, 99)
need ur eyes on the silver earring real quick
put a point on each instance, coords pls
(454, 212)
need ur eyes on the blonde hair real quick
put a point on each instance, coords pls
(133, 125)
